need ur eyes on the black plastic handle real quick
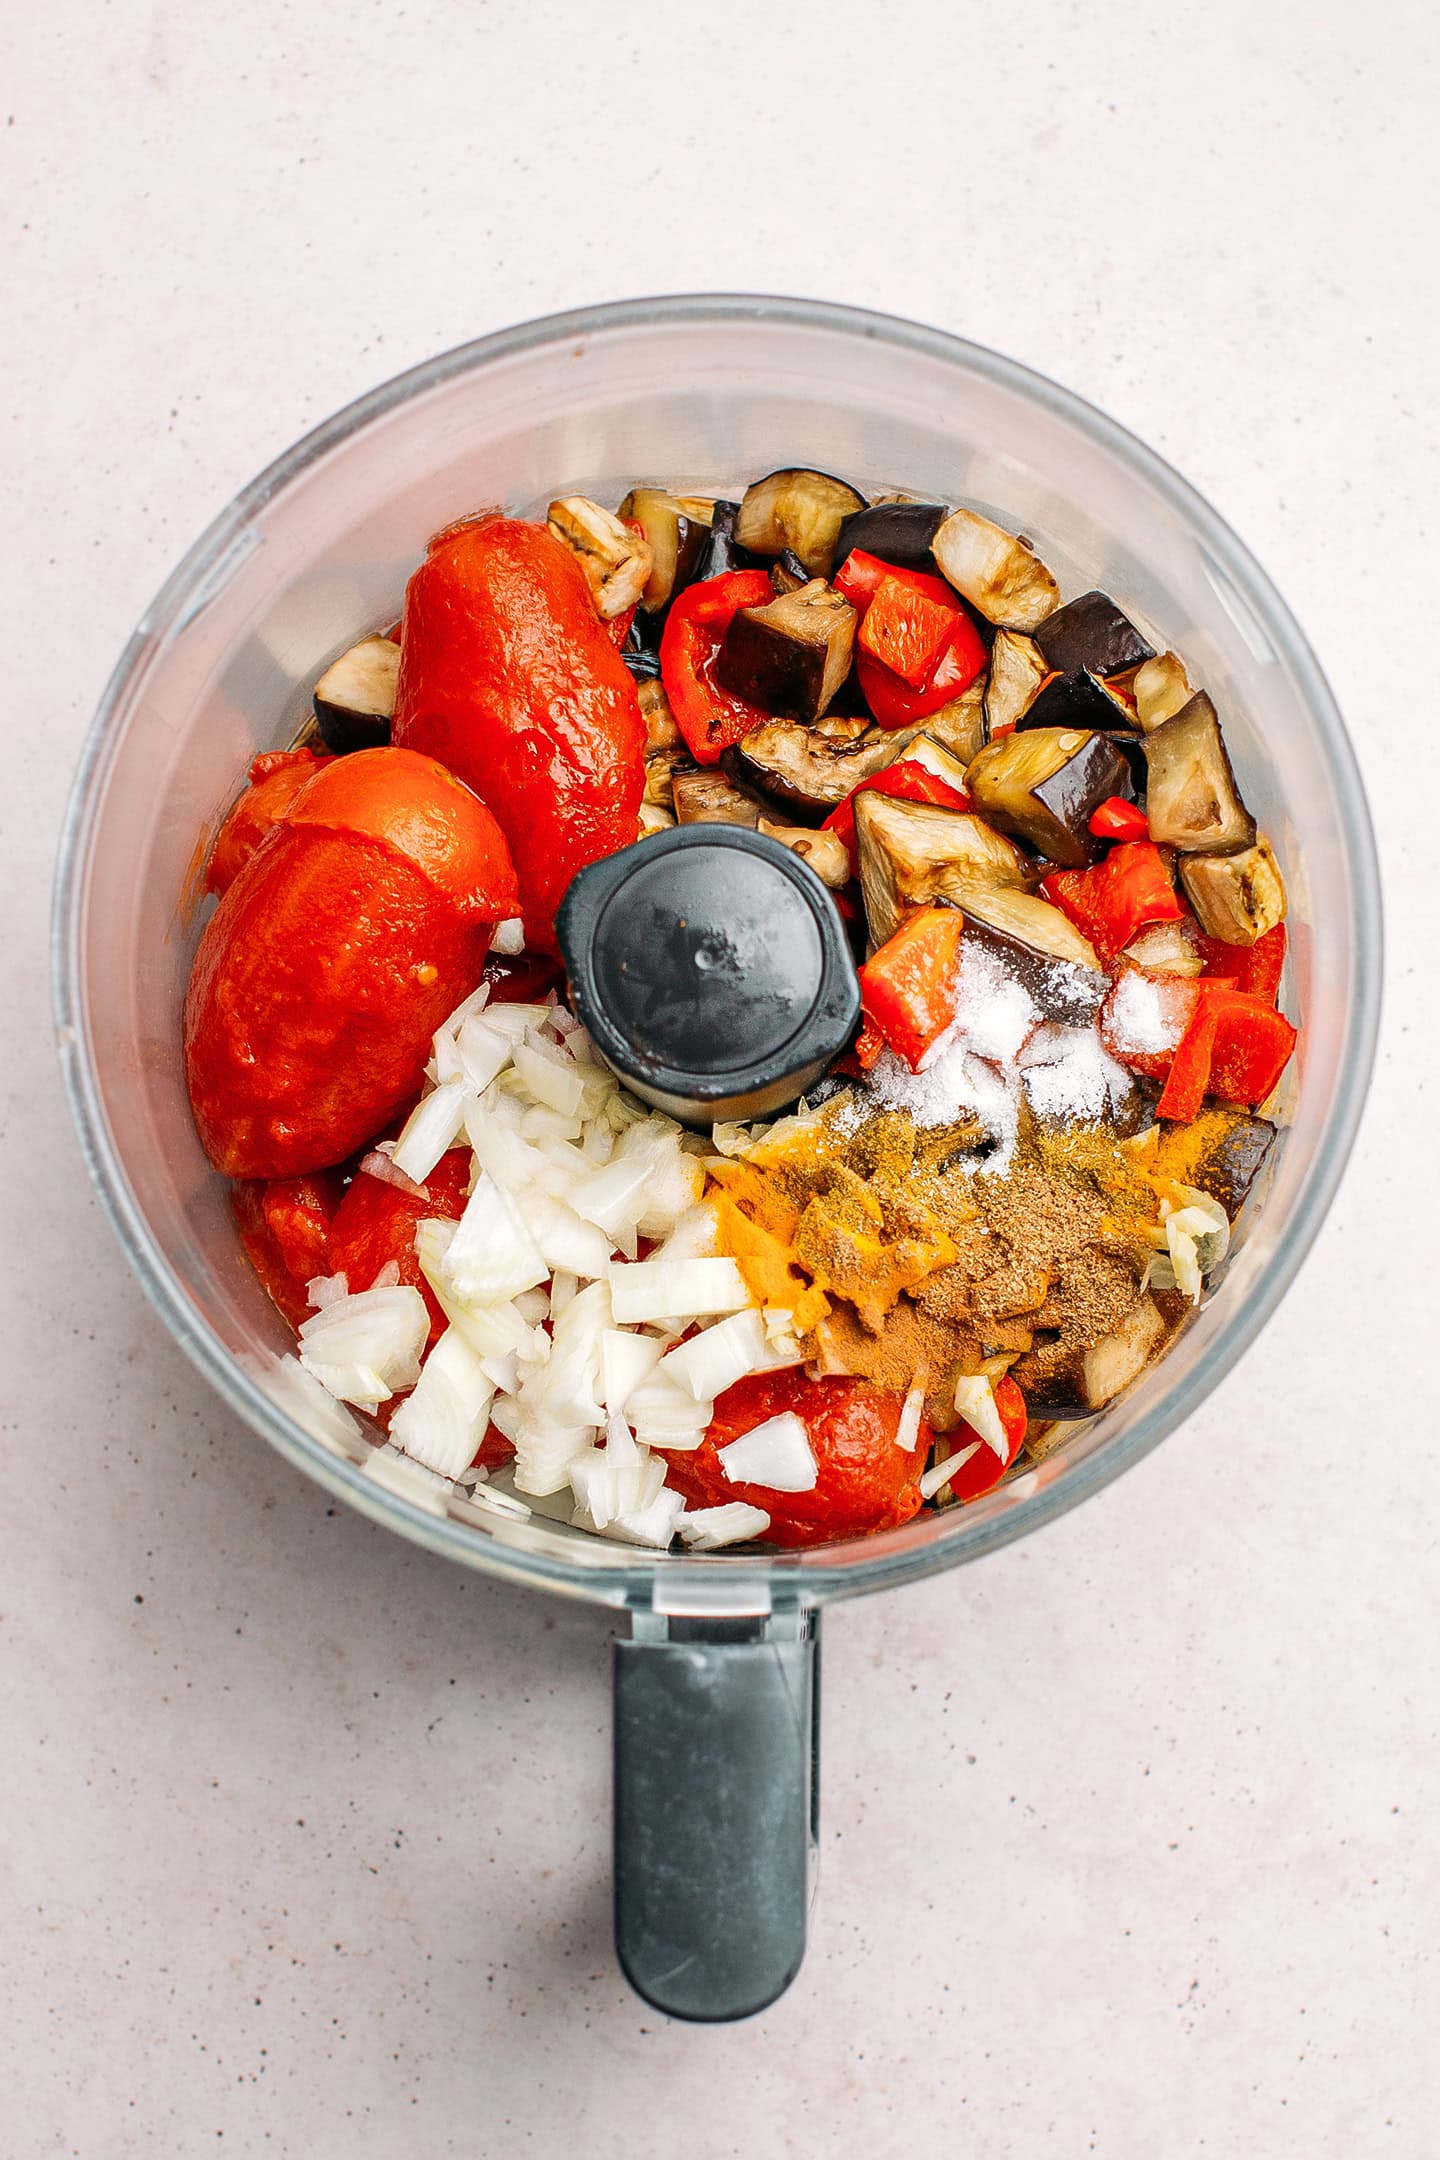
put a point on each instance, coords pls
(716, 1791)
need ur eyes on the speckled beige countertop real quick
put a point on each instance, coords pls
(1130, 1833)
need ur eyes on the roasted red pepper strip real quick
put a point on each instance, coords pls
(907, 631)
(904, 781)
(709, 718)
(1236, 1046)
(1115, 898)
(892, 701)
(984, 1470)
(907, 988)
(1254, 968)
(509, 678)
(863, 1481)
(1117, 819)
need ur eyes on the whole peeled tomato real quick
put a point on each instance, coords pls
(284, 1226)
(863, 1481)
(275, 779)
(357, 924)
(508, 676)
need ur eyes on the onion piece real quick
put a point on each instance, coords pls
(776, 1454)
(442, 1421)
(492, 1256)
(508, 938)
(975, 1401)
(734, 1523)
(484, 1052)
(720, 1355)
(675, 1289)
(907, 1432)
(379, 1165)
(942, 1473)
(550, 1076)
(668, 1417)
(432, 1127)
(367, 1347)
(323, 1290)
(626, 1359)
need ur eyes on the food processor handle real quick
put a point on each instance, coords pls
(716, 1793)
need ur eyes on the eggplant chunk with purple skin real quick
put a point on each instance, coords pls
(1082, 701)
(1017, 670)
(1230, 1165)
(894, 532)
(720, 550)
(616, 561)
(1046, 784)
(703, 795)
(960, 725)
(914, 854)
(1236, 897)
(812, 769)
(676, 539)
(999, 574)
(1092, 636)
(1042, 948)
(355, 696)
(800, 510)
(1191, 798)
(791, 655)
(1162, 689)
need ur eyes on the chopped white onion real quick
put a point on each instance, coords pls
(707, 1529)
(718, 1356)
(492, 1256)
(367, 1347)
(776, 1454)
(625, 1360)
(483, 1050)
(432, 1127)
(442, 1421)
(653, 1524)
(667, 1416)
(942, 1473)
(323, 1290)
(907, 1432)
(975, 1401)
(380, 1165)
(675, 1289)
(550, 1076)
(508, 938)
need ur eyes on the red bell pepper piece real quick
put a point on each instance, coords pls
(1253, 968)
(904, 781)
(1117, 819)
(1115, 898)
(984, 1470)
(709, 718)
(907, 631)
(892, 700)
(907, 988)
(1236, 1047)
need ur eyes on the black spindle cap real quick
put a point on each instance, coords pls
(712, 970)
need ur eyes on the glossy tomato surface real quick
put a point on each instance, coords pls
(510, 679)
(357, 925)
(864, 1482)
(275, 779)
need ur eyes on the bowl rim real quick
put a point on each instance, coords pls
(619, 1575)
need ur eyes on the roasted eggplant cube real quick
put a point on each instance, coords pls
(1045, 785)
(960, 725)
(1238, 897)
(788, 573)
(811, 770)
(720, 551)
(1162, 689)
(1017, 670)
(1038, 945)
(893, 532)
(800, 510)
(1077, 701)
(703, 796)
(640, 654)
(999, 573)
(355, 696)
(1191, 798)
(1229, 1167)
(676, 540)
(1091, 636)
(790, 656)
(912, 854)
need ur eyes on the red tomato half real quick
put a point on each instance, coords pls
(864, 1482)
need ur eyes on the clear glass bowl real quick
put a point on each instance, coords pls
(701, 391)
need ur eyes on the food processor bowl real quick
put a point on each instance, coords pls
(716, 1695)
